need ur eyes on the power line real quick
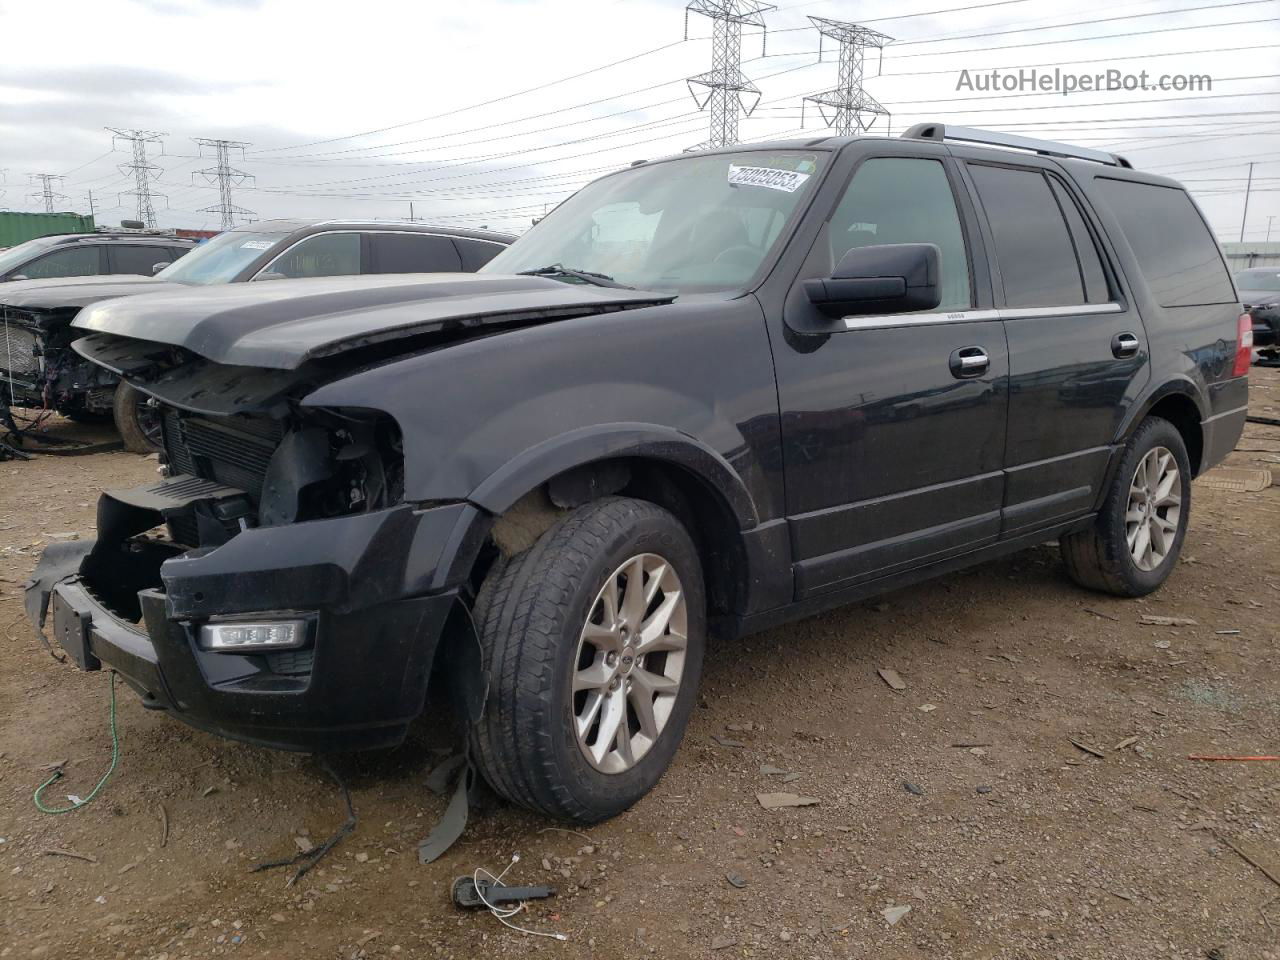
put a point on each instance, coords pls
(476, 106)
(143, 170)
(226, 176)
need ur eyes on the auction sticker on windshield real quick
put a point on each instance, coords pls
(257, 245)
(788, 181)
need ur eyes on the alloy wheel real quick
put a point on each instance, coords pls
(629, 663)
(1155, 506)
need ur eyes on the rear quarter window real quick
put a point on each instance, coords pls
(1171, 241)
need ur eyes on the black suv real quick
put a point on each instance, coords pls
(1260, 291)
(39, 370)
(91, 255)
(714, 393)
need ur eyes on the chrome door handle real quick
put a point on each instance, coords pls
(969, 362)
(1124, 346)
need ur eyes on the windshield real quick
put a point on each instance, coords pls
(221, 259)
(16, 256)
(1267, 280)
(697, 224)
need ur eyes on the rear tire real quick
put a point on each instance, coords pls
(1134, 544)
(566, 665)
(136, 421)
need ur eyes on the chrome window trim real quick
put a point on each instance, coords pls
(358, 233)
(873, 321)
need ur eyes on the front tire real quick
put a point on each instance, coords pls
(137, 422)
(592, 642)
(1134, 544)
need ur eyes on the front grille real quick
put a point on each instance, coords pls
(18, 350)
(234, 451)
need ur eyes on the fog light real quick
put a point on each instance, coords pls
(242, 636)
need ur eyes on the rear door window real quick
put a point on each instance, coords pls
(476, 253)
(1096, 288)
(137, 259)
(1033, 246)
(83, 261)
(1171, 241)
(324, 255)
(413, 253)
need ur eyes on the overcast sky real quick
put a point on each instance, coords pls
(356, 109)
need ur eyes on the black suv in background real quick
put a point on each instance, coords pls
(91, 255)
(713, 393)
(1260, 292)
(39, 370)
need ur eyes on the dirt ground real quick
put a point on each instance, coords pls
(961, 797)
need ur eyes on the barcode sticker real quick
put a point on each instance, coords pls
(788, 181)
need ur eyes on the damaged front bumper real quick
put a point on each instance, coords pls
(375, 591)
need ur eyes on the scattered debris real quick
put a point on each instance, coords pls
(1126, 742)
(1099, 613)
(736, 880)
(1151, 620)
(1122, 895)
(55, 852)
(726, 742)
(984, 789)
(1086, 748)
(1197, 756)
(776, 801)
(164, 824)
(1227, 633)
(927, 707)
(893, 914)
(309, 859)
(790, 777)
(967, 745)
(208, 791)
(768, 770)
(891, 677)
(1254, 857)
(723, 942)
(912, 788)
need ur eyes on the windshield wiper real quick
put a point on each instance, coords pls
(586, 276)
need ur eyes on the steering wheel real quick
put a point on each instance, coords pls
(742, 254)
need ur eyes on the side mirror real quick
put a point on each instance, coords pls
(271, 276)
(157, 267)
(887, 278)
(18, 276)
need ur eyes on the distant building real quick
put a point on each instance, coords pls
(1241, 256)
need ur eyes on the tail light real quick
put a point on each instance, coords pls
(1244, 346)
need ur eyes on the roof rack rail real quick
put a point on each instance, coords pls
(1048, 148)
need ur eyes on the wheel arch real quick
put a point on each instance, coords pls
(1179, 402)
(649, 462)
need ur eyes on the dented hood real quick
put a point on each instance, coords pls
(284, 323)
(62, 292)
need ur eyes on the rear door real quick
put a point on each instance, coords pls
(1078, 354)
(892, 448)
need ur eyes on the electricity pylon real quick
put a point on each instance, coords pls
(143, 170)
(727, 89)
(226, 176)
(854, 110)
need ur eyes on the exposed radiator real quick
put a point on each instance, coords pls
(231, 450)
(18, 350)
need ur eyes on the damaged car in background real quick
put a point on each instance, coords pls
(39, 370)
(714, 393)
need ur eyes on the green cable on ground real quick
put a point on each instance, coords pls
(57, 774)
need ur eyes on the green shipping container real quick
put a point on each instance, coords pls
(16, 228)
